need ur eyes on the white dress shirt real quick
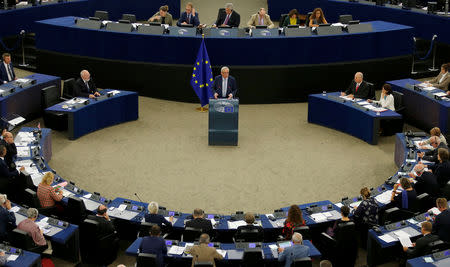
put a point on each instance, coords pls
(387, 102)
(442, 78)
(224, 86)
(7, 71)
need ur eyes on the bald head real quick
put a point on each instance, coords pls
(8, 137)
(359, 77)
(85, 75)
(435, 141)
(419, 168)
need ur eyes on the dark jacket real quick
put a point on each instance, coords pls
(11, 154)
(433, 154)
(421, 246)
(231, 86)
(412, 196)
(154, 245)
(200, 223)
(441, 225)
(233, 21)
(427, 183)
(260, 236)
(7, 222)
(442, 173)
(159, 220)
(82, 90)
(105, 227)
(184, 18)
(362, 92)
(4, 74)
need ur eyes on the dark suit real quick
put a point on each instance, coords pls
(442, 173)
(184, 18)
(154, 245)
(105, 227)
(421, 246)
(433, 154)
(412, 196)
(5, 173)
(426, 183)
(231, 86)
(441, 225)
(233, 21)
(362, 92)
(82, 90)
(4, 73)
(199, 223)
(159, 220)
(7, 222)
(11, 154)
(252, 227)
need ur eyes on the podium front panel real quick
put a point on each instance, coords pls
(223, 122)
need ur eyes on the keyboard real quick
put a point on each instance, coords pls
(394, 226)
(441, 254)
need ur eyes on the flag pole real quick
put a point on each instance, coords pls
(202, 109)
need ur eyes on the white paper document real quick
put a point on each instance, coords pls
(384, 197)
(405, 241)
(440, 94)
(236, 224)
(176, 250)
(387, 238)
(15, 209)
(401, 233)
(222, 252)
(318, 217)
(12, 257)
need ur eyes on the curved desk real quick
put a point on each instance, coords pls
(347, 116)
(162, 64)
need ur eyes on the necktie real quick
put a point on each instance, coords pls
(189, 19)
(10, 73)
(87, 86)
(226, 19)
(224, 89)
(357, 86)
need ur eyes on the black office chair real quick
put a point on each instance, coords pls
(57, 121)
(282, 19)
(371, 91)
(395, 214)
(76, 210)
(68, 87)
(88, 234)
(129, 17)
(204, 264)
(31, 200)
(302, 262)
(344, 19)
(248, 235)
(446, 190)
(146, 260)
(436, 246)
(102, 15)
(23, 240)
(95, 249)
(423, 203)
(253, 257)
(346, 244)
(191, 234)
(398, 102)
(304, 231)
(219, 13)
(144, 229)
(307, 18)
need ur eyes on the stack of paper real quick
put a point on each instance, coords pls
(387, 238)
(115, 92)
(15, 209)
(176, 250)
(384, 197)
(23, 152)
(12, 257)
(440, 94)
(236, 224)
(435, 211)
(318, 217)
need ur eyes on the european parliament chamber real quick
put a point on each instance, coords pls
(215, 133)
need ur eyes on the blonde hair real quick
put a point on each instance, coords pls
(47, 179)
(153, 207)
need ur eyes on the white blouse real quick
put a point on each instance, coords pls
(387, 102)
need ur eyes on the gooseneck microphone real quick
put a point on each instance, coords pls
(138, 197)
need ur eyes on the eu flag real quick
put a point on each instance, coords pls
(202, 77)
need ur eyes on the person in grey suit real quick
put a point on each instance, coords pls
(442, 80)
(296, 251)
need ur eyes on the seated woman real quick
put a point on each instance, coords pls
(162, 16)
(442, 80)
(404, 199)
(294, 219)
(47, 194)
(28, 225)
(317, 18)
(367, 211)
(434, 132)
(345, 211)
(154, 217)
(291, 19)
(386, 98)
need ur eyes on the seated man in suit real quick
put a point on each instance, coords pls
(85, 86)
(6, 69)
(250, 220)
(419, 248)
(358, 88)
(105, 226)
(203, 252)
(199, 222)
(7, 218)
(296, 251)
(162, 16)
(441, 225)
(154, 217)
(11, 150)
(189, 16)
(230, 18)
(224, 85)
(426, 182)
(154, 244)
(442, 80)
(33, 230)
(432, 155)
(260, 19)
(7, 176)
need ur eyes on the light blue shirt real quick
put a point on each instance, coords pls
(291, 253)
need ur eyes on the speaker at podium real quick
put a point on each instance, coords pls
(223, 122)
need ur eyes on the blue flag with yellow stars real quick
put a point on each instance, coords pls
(202, 77)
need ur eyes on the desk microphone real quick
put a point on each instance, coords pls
(138, 197)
